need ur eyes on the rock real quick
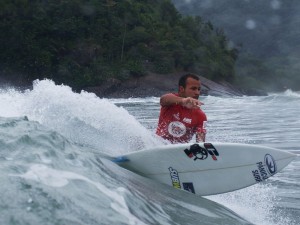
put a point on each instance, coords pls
(157, 84)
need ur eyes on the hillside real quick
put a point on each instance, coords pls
(265, 32)
(84, 44)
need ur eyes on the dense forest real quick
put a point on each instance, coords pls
(265, 32)
(83, 43)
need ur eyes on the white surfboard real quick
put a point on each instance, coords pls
(207, 168)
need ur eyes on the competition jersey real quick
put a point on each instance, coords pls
(178, 124)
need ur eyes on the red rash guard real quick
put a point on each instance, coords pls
(178, 124)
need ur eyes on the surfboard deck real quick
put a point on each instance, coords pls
(207, 168)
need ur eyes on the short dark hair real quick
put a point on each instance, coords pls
(182, 79)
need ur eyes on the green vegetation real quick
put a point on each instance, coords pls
(82, 43)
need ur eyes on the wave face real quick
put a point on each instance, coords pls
(54, 170)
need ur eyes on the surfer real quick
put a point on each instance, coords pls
(180, 115)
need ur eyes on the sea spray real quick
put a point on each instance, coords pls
(81, 117)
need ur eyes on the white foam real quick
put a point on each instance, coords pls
(80, 117)
(256, 204)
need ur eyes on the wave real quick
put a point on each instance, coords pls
(286, 94)
(291, 93)
(48, 179)
(81, 117)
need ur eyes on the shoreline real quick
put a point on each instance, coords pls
(149, 85)
(155, 85)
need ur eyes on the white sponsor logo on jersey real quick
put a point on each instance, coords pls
(176, 129)
(187, 120)
(176, 116)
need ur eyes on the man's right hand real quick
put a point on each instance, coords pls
(191, 103)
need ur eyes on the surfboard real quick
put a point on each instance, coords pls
(207, 168)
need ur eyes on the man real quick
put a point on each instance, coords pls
(180, 115)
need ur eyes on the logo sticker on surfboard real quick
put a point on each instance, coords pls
(200, 153)
(189, 186)
(270, 163)
(175, 178)
(265, 169)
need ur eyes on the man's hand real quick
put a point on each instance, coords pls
(191, 103)
(200, 137)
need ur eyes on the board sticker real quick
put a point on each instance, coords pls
(175, 178)
(271, 164)
(200, 153)
(197, 152)
(264, 169)
(188, 186)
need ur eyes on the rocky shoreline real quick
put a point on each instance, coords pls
(150, 85)
(154, 85)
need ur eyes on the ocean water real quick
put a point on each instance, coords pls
(53, 144)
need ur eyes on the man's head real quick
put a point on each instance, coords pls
(189, 86)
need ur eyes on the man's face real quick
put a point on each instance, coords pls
(192, 89)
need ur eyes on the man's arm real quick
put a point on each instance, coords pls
(171, 99)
